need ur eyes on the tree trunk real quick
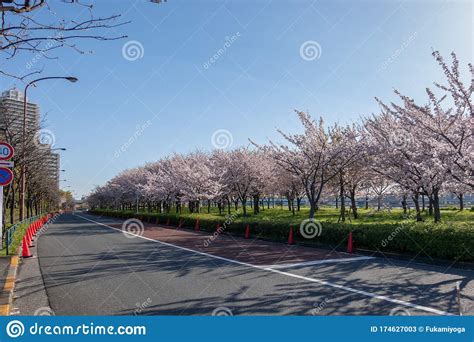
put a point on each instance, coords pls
(12, 206)
(416, 197)
(366, 202)
(404, 204)
(342, 217)
(244, 206)
(337, 202)
(436, 209)
(430, 205)
(256, 205)
(298, 203)
(461, 201)
(354, 205)
(423, 202)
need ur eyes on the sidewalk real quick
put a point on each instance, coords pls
(4, 264)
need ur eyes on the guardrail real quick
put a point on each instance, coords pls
(11, 231)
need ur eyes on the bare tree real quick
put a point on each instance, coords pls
(23, 30)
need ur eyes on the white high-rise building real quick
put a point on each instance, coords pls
(11, 109)
(11, 120)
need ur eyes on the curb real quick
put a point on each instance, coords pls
(6, 296)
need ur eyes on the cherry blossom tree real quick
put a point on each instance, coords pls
(315, 157)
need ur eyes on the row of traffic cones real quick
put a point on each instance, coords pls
(28, 238)
(291, 240)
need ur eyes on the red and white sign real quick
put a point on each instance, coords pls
(6, 151)
(6, 176)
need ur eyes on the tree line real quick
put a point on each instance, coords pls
(414, 150)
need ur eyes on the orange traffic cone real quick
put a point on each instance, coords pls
(25, 250)
(29, 236)
(247, 232)
(196, 226)
(350, 247)
(290, 237)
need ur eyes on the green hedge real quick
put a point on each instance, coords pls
(438, 241)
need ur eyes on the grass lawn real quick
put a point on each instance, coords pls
(17, 239)
(379, 231)
(330, 215)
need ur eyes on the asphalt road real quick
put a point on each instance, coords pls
(89, 267)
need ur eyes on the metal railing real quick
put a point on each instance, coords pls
(11, 231)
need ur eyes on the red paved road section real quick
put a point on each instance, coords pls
(253, 251)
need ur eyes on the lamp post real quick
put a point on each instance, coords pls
(23, 166)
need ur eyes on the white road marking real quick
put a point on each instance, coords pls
(268, 269)
(319, 262)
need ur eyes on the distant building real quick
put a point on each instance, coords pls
(11, 119)
(52, 163)
(11, 112)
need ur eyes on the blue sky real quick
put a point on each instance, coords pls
(124, 113)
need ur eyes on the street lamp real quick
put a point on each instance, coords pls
(23, 168)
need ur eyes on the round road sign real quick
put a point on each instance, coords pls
(6, 151)
(6, 176)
